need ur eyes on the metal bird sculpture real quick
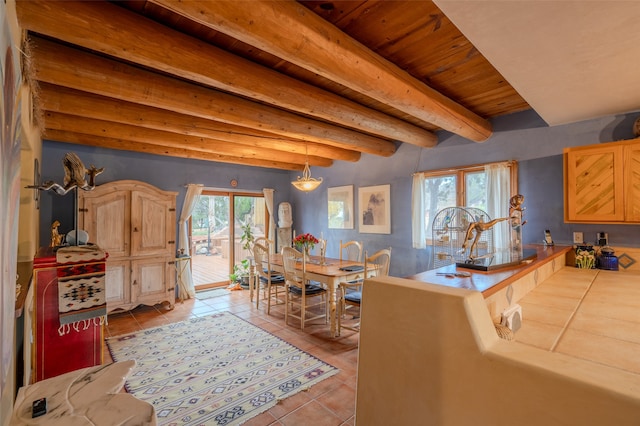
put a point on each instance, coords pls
(74, 176)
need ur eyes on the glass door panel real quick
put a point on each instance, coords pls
(210, 240)
(215, 246)
(249, 214)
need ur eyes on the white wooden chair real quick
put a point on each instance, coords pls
(352, 251)
(253, 278)
(351, 292)
(265, 242)
(299, 293)
(271, 281)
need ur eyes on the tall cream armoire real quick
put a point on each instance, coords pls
(135, 223)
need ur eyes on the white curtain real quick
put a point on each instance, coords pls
(417, 212)
(498, 195)
(186, 290)
(268, 200)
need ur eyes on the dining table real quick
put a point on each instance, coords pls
(330, 272)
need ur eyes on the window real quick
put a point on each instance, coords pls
(471, 186)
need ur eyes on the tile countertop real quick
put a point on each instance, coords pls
(491, 282)
(586, 313)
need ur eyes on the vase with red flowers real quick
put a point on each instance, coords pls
(305, 242)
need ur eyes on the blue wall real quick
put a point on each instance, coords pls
(170, 174)
(523, 137)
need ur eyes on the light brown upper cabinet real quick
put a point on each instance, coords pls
(602, 183)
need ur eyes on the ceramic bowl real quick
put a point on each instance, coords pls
(83, 238)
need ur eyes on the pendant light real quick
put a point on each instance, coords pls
(306, 183)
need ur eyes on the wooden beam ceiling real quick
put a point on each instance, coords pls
(269, 85)
(142, 41)
(79, 70)
(290, 31)
(72, 102)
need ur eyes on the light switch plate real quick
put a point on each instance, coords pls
(578, 238)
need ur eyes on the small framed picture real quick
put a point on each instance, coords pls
(340, 207)
(374, 209)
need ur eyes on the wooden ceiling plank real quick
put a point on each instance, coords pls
(128, 133)
(83, 104)
(147, 148)
(57, 64)
(292, 32)
(129, 36)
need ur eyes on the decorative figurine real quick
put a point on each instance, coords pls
(56, 238)
(478, 228)
(284, 215)
(516, 210)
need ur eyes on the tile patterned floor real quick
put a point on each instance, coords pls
(330, 402)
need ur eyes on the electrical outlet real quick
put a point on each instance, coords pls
(578, 238)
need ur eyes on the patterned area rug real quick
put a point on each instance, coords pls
(215, 370)
(208, 294)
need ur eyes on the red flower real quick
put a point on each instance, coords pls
(305, 240)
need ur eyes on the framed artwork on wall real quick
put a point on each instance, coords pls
(374, 209)
(340, 207)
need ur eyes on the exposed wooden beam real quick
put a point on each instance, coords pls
(110, 29)
(290, 31)
(83, 104)
(148, 148)
(127, 133)
(57, 64)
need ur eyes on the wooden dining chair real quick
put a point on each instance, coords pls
(352, 251)
(300, 293)
(252, 276)
(350, 294)
(270, 281)
(269, 244)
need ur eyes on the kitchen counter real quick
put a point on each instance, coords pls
(491, 282)
(445, 351)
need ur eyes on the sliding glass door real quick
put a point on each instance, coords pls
(215, 245)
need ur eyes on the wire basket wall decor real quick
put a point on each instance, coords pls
(449, 231)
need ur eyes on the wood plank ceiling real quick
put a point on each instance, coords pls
(263, 83)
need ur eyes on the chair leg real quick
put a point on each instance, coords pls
(303, 311)
(339, 313)
(286, 305)
(268, 290)
(257, 292)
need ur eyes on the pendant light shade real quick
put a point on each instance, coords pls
(306, 183)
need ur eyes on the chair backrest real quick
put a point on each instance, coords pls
(261, 256)
(291, 274)
(352, 250)
(382, 260)
(264, 241)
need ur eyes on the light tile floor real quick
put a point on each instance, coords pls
(330, 402)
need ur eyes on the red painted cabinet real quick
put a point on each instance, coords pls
(54, 354)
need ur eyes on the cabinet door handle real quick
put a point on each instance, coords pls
(135, 282)
(135, 229)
